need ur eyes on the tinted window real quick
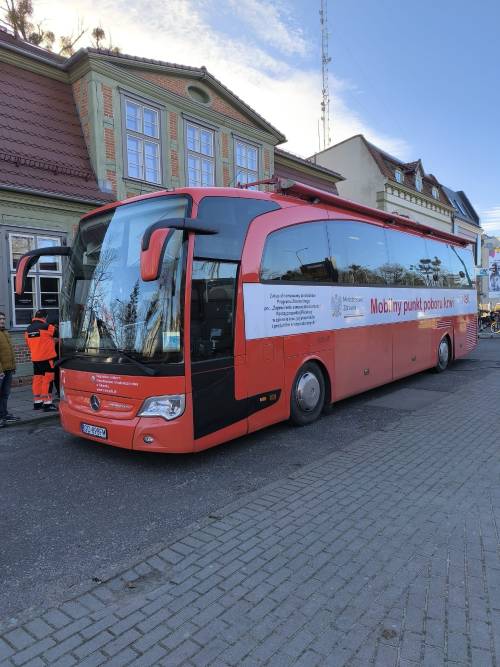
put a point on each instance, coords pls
(212, 309)
(409, 263)
(297, 254)
(358, 252)
(462, 266)
(438, 264)
(230, 216)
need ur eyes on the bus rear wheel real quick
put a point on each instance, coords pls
(308, 395)
(443, 355)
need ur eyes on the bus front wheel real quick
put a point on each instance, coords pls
(443, 355)
(308, 395)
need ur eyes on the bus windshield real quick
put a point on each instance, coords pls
(106, 308)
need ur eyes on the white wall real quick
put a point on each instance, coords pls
(352, 159)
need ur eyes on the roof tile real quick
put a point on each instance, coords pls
(42, 147)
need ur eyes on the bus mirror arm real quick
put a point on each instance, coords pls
(186, 224)
(29, 259)
(155, 239)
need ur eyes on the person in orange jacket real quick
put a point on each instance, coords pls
(41, 339)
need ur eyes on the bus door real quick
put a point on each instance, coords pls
(213, 303)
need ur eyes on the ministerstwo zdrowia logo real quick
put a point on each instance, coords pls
(336, 305)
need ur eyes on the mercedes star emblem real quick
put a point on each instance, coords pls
(95, 403)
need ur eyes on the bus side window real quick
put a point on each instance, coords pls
(462, 267)
(409, 263)
(297, 254)
(358, 252)
(440, 263)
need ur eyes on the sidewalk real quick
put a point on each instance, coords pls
(21, 405)
(386, 552)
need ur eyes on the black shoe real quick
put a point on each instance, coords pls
(37, 406)
(10, 419)
(3, 423)
(50, 407)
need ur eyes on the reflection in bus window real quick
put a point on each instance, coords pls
(438, 265)
(409, 264)
(358, 252)
(463, 269)
(212, 309)
(297, 254)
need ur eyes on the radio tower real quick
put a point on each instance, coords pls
(325, 60)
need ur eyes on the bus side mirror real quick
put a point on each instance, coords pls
(29, 259)
(151, 256)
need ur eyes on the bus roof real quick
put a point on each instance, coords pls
(292, 192)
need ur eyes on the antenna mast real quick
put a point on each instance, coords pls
(325, 60)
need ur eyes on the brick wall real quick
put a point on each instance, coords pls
(107, 98)
(111, 177)
(174, 161)
(109, 143)
(225, 145)
(172, 124)
(180, 86)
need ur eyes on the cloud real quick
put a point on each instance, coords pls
(490, 221)
(268, 24)
(187, 32)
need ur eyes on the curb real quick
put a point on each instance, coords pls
(33, 420)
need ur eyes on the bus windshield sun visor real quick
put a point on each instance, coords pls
(29, 259)
(186, 224)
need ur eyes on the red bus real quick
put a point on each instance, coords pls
(195, 316)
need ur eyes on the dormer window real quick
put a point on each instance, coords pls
(435, 192)
(418, 182)
(459, 207)
(399, 175)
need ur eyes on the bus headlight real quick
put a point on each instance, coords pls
(168, 407)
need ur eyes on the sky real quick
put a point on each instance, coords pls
(419, 80)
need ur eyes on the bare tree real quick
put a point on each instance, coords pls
(19, 16)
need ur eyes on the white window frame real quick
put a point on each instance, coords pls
(419, 183)
(250, 174)
(435, 192)
(199, 155)
(35, 273)
(398, 175)
(143, 140)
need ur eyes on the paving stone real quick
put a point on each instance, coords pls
(384, 551)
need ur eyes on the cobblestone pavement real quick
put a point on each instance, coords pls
(386, 552)
(21, 405)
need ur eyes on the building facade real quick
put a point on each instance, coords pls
(76, 133)
(375, 178)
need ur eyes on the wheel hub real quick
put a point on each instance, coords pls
(308, 392)
(443, 352)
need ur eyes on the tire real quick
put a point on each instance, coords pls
(443, 355)
(307, 398)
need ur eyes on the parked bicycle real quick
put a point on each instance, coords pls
(495, 324)
(484, 320)
(488, 320)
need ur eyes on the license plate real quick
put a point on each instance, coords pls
(96, 431)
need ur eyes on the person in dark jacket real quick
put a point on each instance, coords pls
(7, 370)
(41, 338)
(53, 318)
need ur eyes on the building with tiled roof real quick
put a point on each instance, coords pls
(375, 178)
(81, 131)
(295, 168)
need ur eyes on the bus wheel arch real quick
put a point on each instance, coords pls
(444, 354)
(308, 393)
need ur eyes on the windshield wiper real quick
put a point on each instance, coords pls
(143, 367)
(69, 357)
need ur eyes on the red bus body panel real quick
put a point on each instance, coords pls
(353, 359)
